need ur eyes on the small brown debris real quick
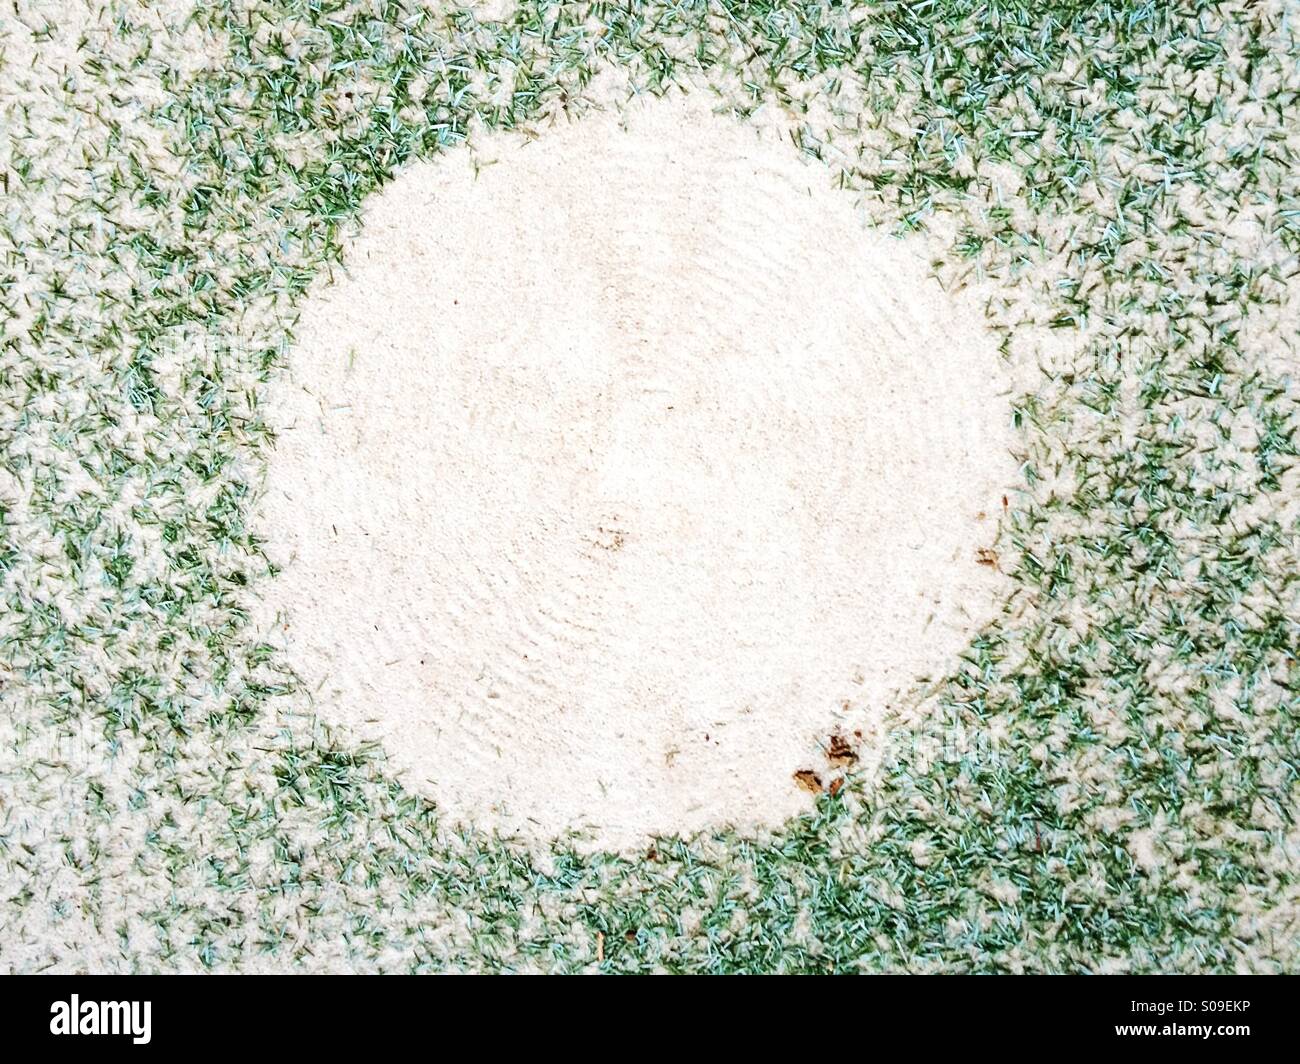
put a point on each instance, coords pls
(836, 786)
(840, 752)
(1005, 504)
(629, 936)
(986, 556)
(600, 946)
(809, 780)
(610, 537)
